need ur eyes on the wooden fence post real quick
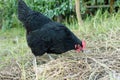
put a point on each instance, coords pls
(111, 6)
(77, 5)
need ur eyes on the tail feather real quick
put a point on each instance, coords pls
(23, 10)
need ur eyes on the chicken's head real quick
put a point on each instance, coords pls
(79, 48)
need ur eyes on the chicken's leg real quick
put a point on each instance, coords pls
(51, 58)
(35, 68)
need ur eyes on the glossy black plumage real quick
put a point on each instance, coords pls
(45, 35)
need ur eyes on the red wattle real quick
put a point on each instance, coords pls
(83, 44)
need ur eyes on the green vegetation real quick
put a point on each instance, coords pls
(8, 9)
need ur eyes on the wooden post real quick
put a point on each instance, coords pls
(77, 4)
(111, 6)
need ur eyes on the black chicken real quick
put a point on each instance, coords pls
(44, 35)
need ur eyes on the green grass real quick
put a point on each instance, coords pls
(13, 46)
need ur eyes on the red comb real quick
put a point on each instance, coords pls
(83, 44)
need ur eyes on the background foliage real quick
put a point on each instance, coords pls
(51, 8)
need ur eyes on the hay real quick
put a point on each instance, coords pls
(92, 67)
(10, 72)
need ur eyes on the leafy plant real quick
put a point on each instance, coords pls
(51, 8)
(7, 9)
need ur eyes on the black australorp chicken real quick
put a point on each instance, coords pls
(45, 35)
